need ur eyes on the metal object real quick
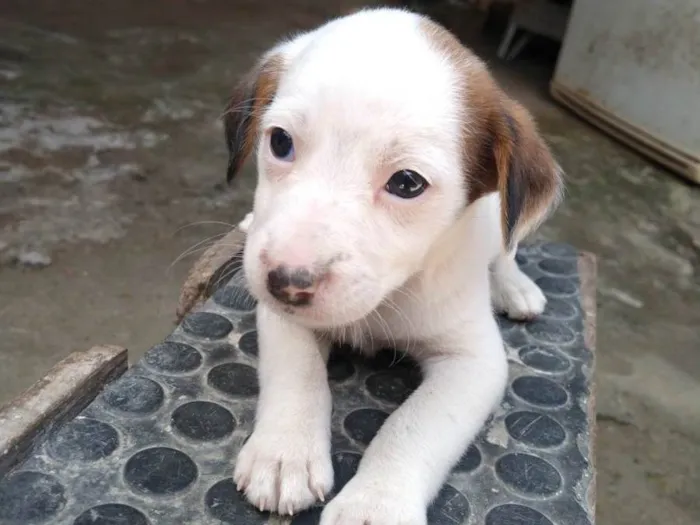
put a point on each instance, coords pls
(533, 17)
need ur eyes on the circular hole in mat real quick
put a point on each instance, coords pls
(207, 325)
(450, 507)
(111, 514)
(30, 497)
(173, 357)
(469, 461)
(160, 470)
(234, 379)
(203, 421)
(134, 394)
(537, 430)
(513, 514)
(225, 503)
(84, 439)
(528, 474)
(363, 424)
(540, 391)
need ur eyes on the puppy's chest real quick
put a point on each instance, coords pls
(416, 319)
(393, 324)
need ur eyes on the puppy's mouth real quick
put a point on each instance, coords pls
(304, 309)
(318, 311)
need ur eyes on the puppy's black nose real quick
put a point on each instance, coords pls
(292, 286)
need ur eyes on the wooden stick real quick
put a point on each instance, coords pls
(209, 272)
(58, 397)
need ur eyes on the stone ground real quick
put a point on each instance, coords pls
(112, 167)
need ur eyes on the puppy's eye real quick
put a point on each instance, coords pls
(281, 144)
(406, 184)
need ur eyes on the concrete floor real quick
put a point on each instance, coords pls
(112, 163)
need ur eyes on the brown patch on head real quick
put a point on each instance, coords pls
(502, 149)
(249, 99)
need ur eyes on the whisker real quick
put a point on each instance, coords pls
(197, 247)
(198, 223)
(224, 276)
(396, 310)
(385, 328)
(369, 333)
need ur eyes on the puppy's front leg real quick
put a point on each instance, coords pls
(407, 462)
(286, 466)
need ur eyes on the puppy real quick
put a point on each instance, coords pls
(395, 180)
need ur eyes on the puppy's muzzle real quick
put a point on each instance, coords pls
(293, 286)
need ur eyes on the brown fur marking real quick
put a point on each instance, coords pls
(242, 116)
(503, 150)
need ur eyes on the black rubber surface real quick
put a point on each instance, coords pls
(157, 447)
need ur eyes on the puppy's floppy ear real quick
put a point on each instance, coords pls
(250, 97)
(516, 162)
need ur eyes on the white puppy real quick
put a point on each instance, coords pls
(392, 175)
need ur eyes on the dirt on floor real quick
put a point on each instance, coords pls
(112, 181)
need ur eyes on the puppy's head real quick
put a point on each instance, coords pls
(373, 134)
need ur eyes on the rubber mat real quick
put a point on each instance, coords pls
(158, 445)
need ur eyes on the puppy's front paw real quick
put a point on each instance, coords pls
(284, 472)
(374, 504)
(517, 296)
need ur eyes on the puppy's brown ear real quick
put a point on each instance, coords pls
(250, 97)
(518, 164)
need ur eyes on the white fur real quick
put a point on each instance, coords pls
(244, 225)
(365, 96)
(513, 292)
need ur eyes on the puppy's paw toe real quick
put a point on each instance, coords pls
(283, 474)
(518, 297)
